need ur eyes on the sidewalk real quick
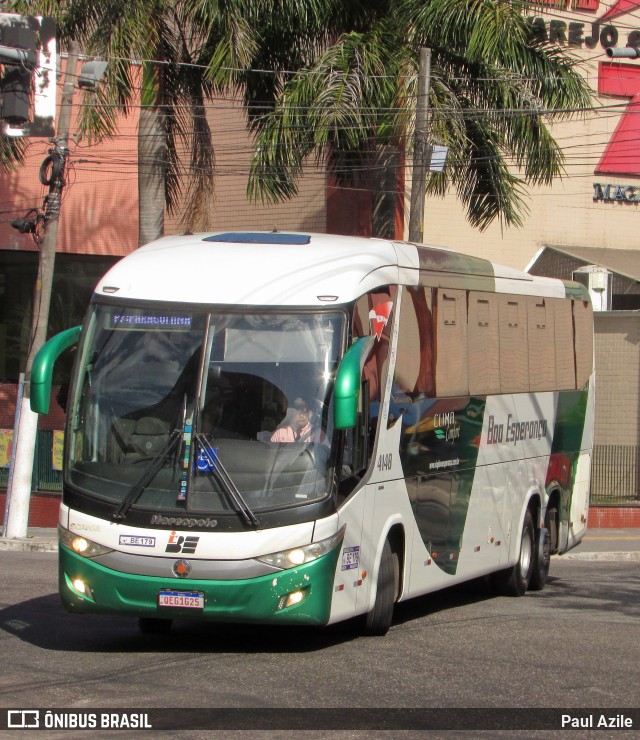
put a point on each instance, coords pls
(38, 539)
(607, 544)
(598, 544)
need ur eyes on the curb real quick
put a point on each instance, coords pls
(28, 544)
(603, 556)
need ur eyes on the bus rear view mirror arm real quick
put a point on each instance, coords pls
(43, 364)
(347, 386)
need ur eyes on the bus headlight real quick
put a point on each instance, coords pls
(81, 545)
(300, 555)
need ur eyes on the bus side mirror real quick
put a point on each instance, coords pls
(347, 385)
(43, 364)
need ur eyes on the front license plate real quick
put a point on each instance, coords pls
(181, 599)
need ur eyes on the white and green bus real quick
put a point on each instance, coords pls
(448, 431)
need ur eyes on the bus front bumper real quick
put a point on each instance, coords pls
(299, 595)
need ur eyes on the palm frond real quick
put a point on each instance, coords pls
(12, 152)
(341, 108)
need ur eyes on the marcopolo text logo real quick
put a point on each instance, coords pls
(183, 521)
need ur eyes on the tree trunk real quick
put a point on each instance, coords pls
(151, 174)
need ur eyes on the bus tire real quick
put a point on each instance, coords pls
(515, 581)
(154, 626)
(542, 560)
(378, 620)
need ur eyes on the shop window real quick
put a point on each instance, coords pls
(74, 280)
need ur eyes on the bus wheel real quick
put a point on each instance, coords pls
(153, 626)
(378, 620)
(515, 581)
(542, 560)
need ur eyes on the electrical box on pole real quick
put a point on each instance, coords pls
(27, 75)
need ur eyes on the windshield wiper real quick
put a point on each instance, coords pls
(225, 481)
(148, 474)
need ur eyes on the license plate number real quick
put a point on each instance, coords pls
(181, 599)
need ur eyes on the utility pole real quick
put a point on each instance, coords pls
(421, 149)
(24, 436)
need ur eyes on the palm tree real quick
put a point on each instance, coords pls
(168, 44)
(190, 50)
(492, 86)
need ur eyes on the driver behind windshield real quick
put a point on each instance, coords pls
(296, 426)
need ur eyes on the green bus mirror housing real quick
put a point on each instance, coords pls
(42, 368)
(348, 382)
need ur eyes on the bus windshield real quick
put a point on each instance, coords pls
(204, 412)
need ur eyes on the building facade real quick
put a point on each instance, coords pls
(596, 203)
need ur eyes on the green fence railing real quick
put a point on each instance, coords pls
(615, 474)
(44, 477)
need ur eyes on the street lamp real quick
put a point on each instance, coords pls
(91, 73)
(622, 52)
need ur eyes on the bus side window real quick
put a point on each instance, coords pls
(563, 335)
(583, 338)
(356, 449)
(484, 344)
(542, 349)
(413, 376)
(452, 375)
(372, 315)
(514, 355)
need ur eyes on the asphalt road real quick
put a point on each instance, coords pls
(575, 644)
